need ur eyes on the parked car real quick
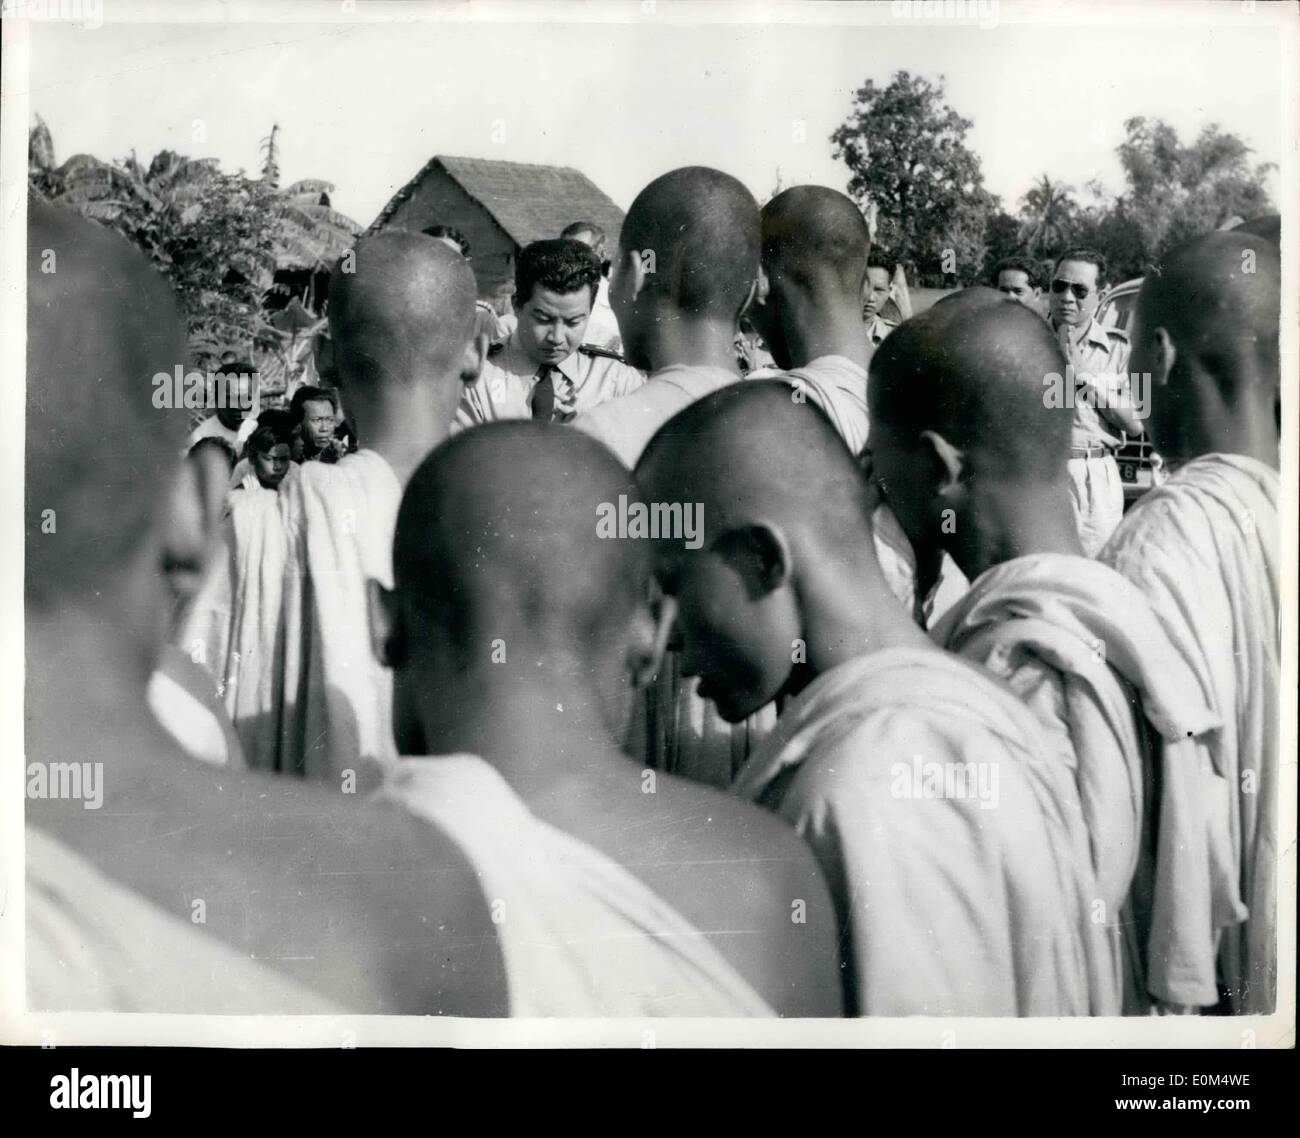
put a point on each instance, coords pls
(1140, 467)
(1116, 307)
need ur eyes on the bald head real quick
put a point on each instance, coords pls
(401, 310)
(1206, 331)
(702, 226)
(497, 531)
(756, 450)
(786, 539)
(981, 371)
(1219, 298)
(815, 249)
(101, 323)
(1268, 227)
(817, 236)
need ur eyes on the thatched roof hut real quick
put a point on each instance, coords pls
(499, 207)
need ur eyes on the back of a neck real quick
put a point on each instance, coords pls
(528, 722)
(1247, 428)
(680, 341)
(400, 430)
(1012, 520)
(849, 614)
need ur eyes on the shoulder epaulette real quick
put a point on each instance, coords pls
(603, 353)
(1117, 334)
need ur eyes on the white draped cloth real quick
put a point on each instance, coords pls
(1203, 550)
(1081, 646)
(950, 837)
(282, 619)
(580, 935)
(93, 945)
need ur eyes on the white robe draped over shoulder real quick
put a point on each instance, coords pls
(1081, 646)
(949, 834)
(1203, 550)
(580, 935)
(94, 945)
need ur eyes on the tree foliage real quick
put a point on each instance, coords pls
(1001, 240)
(907, 154)
(218, 238)
(1048, 215)
(1173, 193)
(913, 174)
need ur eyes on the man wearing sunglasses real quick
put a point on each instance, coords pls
(1103, 408)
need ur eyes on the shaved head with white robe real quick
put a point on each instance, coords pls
(1204, 551)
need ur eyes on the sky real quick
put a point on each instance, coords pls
(626, 91)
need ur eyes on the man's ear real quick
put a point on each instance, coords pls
(867, 462)
(471, 362)
(646, 652)
(633, 274)
(870, 484)
(387, 634)
(753, 292)
(1166, 357)
(760, 553)
(762, 287)
(951, 462)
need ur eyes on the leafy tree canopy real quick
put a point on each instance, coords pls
(218, 238)
(907, 154)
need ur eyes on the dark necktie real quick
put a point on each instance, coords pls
(553, 396)
(544, 394)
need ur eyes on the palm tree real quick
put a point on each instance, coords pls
(1047, 213)
(220, 238)
(310, 234)
(270, 155)
(106, 191)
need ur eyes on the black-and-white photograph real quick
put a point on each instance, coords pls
(650, 514)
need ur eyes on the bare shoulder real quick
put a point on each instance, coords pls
(387, 892)
(733, 822)
(738, 873)
(388, 907)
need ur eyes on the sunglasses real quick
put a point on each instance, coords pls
(1080, 290)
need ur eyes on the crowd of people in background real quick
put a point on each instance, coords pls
(918, 722)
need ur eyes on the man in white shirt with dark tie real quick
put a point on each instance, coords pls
(545, 371)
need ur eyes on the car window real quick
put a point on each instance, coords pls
(1117, 310)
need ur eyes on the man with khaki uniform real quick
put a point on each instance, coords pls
(1099, 388)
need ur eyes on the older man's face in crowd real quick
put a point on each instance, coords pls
(1014, 284)
(239, 399)
(1076, 290)
(875, 293)
(318, 421)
